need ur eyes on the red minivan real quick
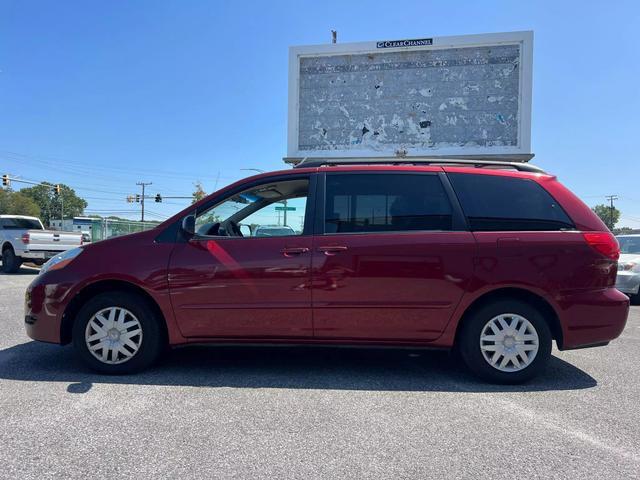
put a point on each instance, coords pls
(494, 259)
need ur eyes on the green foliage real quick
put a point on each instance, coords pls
(51, 204)
(623, 231)
(609, 216)
(16, 203)
(199, 193)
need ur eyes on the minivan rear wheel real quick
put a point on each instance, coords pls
(117, 333)
(507, 341)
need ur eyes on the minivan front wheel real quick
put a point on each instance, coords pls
(117, 333)
(507, 341)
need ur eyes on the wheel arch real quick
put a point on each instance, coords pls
(6, 245)
(101, 286)
(514, 293)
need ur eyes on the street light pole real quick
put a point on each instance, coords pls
(285, 213)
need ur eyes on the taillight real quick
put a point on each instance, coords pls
(603, 242)
(25, 238)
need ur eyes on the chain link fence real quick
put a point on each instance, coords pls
(104, 228)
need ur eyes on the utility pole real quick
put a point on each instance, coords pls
(611, 199)
(143, 185)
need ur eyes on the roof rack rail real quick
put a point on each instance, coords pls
(480, 163)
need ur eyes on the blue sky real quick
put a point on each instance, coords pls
(100, 95)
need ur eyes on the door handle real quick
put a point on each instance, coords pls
(332, 249)
(291, 251)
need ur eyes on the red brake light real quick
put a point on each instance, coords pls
(603, 242)
(25, 238)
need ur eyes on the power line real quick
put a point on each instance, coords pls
(82, 168)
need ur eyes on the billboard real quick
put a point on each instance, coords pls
(464, 96)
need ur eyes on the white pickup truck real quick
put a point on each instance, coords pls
(24, 239)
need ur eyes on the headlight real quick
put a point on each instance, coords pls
(61, 260)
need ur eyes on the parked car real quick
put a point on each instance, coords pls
(24, 239)
(495, 260)
(628, 280)
(274, 231)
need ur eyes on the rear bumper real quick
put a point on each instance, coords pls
(592, 318)
(38, 254)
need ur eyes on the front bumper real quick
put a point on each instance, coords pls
(628, 282)
(44, 307)
(591, 318)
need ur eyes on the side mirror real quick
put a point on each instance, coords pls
(189, 225)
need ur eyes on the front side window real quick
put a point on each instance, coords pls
(497, 203)
(358, 203)
(270, 210)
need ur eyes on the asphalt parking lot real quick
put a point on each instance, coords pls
(321, 413)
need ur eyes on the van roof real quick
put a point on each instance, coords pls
(419, 161)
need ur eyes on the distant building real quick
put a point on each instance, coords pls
(75, 224)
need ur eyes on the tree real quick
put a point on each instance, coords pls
(608, 215)
(51, 204)
(199, 194)
(15, 203)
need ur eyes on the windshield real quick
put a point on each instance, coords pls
(629, 244)
(20, 224)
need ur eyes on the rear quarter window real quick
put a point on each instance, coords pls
(497, 203)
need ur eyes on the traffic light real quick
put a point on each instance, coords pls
(129, 198)
(158, 198)
(137, 198)
(56, 189)
(6, 181)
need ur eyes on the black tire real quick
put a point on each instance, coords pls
(634, 299)
(469, 342)
(152, 343)
(10, 262)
